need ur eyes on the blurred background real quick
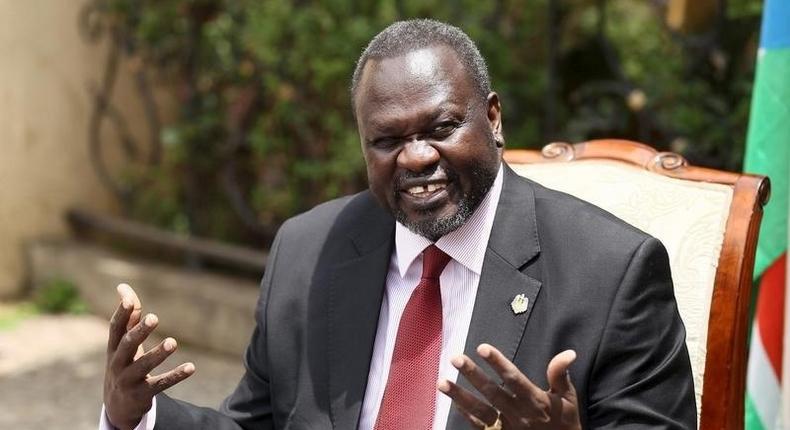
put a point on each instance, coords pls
(162, 143)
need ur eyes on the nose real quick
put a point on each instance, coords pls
(418, 155)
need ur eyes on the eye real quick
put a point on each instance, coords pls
(444, 129)
(384, 143)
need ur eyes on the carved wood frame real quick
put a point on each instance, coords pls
(725, 375)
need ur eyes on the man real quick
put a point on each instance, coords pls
(373, 305)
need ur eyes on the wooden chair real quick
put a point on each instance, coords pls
(707, 219)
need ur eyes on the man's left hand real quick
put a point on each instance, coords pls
(516, 403)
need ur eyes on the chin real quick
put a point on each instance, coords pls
(447, 216)
(434, 226)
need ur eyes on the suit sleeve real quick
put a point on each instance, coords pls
(641, 377)
(249, 406)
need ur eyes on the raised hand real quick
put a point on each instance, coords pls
(129, 387)
(516, 403)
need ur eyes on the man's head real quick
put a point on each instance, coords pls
(429, 124)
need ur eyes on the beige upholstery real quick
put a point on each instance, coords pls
(689, 218)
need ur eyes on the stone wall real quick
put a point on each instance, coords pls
(190, 304)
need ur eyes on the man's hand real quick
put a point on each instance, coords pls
(516, 403)
(128, 386)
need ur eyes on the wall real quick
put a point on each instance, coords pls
(46, 68)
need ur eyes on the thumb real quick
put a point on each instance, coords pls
(557, 374)
(139, 353)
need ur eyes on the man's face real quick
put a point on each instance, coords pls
(428, 137)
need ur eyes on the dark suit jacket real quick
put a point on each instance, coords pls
(595, 284)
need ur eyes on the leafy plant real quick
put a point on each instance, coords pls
(59, 296)
(265, 130)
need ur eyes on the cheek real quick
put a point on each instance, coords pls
(379, 177)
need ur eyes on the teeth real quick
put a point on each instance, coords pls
(420, 189)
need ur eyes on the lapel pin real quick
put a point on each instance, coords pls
(519, 304)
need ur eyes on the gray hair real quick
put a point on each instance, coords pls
(402, 37)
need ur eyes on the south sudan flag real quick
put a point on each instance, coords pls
(768, 153)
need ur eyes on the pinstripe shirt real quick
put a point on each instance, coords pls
(459, 280)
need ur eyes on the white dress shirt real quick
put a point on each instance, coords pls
(147, 423)
(459, 281)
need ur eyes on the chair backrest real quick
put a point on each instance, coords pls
(707, 219)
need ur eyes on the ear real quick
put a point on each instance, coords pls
(494, 114)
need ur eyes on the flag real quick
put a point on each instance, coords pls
(768, 153)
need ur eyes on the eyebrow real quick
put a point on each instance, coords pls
(383, 130)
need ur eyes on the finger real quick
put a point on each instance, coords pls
(492, 391)
(468, 402)
(558, 376)
(476, 422)
(512, 377)
(139, 353)
(118, 324)
(166, 380)
(142, 366)
(131, 341)
(126, 292)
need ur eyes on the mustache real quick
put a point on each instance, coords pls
(407, 175)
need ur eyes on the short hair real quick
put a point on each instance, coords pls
(402, 37)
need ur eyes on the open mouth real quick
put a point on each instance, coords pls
(425, 190)
(424, 197)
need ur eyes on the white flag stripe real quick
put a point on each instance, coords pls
(761, 382)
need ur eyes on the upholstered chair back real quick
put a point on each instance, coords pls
(693, 212)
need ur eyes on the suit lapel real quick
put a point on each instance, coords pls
(513, 244)
(355, 295)
(357, 286)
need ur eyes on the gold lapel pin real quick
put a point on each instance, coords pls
(519, 304)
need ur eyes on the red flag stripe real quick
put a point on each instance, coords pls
(770, 311)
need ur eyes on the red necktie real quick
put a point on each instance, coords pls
(410, 396)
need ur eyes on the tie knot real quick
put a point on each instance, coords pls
(433, 262)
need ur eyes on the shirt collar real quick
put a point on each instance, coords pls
(466, 245)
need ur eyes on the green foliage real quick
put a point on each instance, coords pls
(59, 296)
(12, 314)
(263, 86)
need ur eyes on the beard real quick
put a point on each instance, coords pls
(435, 227)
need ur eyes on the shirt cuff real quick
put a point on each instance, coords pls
(147, 423)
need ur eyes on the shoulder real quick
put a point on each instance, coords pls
(340, 213)
(563, 219)
(327, 227)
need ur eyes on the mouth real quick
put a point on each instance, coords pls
(422, 191)
(425, 196)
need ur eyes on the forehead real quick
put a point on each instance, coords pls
(417, 82)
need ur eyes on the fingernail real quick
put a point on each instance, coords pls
(483, 350)
(150, 320)
(170, 344)
(189, 368)
(457, 361)
(443, 386)
(126, 304)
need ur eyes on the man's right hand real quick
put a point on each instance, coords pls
(129, 388)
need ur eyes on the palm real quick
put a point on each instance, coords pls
(516, 403)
